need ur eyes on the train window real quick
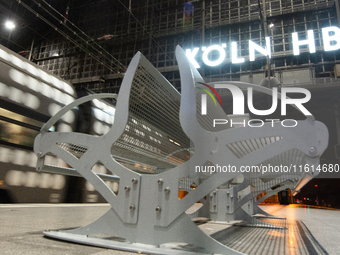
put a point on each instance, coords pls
(17, 134)
(21, 118)
(18, 129)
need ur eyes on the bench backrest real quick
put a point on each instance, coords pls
(150, 131)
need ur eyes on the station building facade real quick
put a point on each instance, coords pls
(155, 28)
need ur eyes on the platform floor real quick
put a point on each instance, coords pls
(305, 230)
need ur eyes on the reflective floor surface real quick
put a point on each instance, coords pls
(304, 230)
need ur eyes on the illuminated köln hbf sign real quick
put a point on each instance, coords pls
(330, 38)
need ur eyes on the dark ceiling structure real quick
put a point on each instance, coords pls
(29, 18)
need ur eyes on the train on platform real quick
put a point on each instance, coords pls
(29, 96)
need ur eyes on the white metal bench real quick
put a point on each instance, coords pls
(156, 126)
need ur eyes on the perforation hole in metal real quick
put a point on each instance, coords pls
(245, 147)
(293, 157)
(75, 150)
(135, 165)
(282, 165)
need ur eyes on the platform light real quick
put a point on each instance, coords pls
(9, 25)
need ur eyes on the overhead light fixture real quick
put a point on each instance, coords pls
(9, 25)
(271, 25)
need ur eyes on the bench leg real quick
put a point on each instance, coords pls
(183, 230)
(225, 207)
